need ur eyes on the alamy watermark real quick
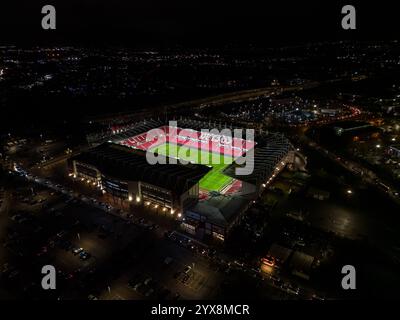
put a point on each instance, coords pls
(207, 147)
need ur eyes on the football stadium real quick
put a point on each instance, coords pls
(191, 146)
(187, 167)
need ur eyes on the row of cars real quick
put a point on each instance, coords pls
(195, 246)
(67, 245)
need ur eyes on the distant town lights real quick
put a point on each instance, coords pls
(349, 191)
(378, 146)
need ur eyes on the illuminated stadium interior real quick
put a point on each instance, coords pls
(217, 151)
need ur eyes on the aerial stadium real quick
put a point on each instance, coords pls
(194, 173)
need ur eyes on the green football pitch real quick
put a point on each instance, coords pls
(214, 180)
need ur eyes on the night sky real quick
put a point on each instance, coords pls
(194, 23)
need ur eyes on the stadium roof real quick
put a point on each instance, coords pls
(265, 159)
(220, 210)
(131, 165)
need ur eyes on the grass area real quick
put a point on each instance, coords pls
(214, 180)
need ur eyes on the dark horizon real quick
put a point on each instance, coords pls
(200, 24)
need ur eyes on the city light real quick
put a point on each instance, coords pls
(130, 198)
(349, 191)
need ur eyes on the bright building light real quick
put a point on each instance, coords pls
(130, 198)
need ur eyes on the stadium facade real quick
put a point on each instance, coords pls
(117, 165)
(125, 173)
